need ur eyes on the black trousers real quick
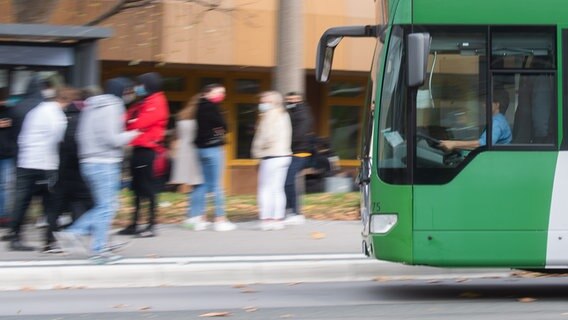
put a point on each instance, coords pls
(144, 183)
(26, 184)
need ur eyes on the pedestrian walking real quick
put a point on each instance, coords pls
(8, 147)
(150, 117)
(38, 160)
(302, 132)
(271, 144)
(101, 137)
(210, 139)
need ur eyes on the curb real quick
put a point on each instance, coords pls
(229, 270)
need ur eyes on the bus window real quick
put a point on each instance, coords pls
(531, 112)
(392, 122)
(451, 105)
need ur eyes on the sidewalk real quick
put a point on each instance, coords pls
(316, 251)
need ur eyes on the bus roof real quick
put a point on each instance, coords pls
(463, 12)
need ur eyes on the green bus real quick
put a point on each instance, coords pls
(464, 157)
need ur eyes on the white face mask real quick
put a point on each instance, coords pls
(291, 105)
(263, 107)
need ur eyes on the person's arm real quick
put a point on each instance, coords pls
(117, 136)
(450, 145)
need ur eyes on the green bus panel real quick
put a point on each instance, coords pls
(516, 249)
(513, 12)
(396, 245)
(498, 190)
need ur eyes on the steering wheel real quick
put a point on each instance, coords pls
(433, 142)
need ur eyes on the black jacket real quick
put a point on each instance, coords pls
(302, 128)
(211, 126)
(17, 113)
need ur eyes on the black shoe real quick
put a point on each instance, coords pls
(128, 231)
(52, 248)
(10, 236)
(17, 245)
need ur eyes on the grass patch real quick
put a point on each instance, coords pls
(318, 206)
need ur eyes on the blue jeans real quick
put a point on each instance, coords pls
(7, 180)
(212, 164)
(104, 181)
(297, 164)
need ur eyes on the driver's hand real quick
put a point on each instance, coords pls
(447, 145)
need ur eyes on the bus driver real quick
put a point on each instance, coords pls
(501, 132)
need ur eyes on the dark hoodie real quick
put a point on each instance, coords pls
(152, 81)
(9, 136)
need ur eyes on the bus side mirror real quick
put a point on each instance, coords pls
(417, 58)
(331, 39)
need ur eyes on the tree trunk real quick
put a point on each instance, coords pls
(33, 11)
(289, 73)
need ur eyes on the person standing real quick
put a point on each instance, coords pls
(271, 144)
(71, 192)
(186, 166)
(38, 160)
(101, 138)
(210, 139)
(302, 132)
(8, 146)
(150, 117)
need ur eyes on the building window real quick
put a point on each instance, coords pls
(344, 130)
(247, 86)
(246, 122)
(174, 84)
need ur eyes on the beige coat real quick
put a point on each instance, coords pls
(273, 136)
(186, 167)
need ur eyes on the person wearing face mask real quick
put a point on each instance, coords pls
(150, 117)
(101, 138)
(271, 144)
(302, 133)
(210, 138)
(38, 160)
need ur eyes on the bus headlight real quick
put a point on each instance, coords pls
(383, 223)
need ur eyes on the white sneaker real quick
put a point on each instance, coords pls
(196, 223)
(265, 225)
(224, 226)
(294, 220)
(70, 242)
(277, 225)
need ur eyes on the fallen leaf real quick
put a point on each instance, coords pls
(250, 309)
(294, 283)
(318, 235)
(240, 286)
(434, 281)
(61, 287)
(526, 300)
(248, 290)
(460, 280)
(27, 289)
(215, 314)
(146, 308)
(287, 316)
(381, 279)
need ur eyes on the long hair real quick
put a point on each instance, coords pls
(190, 109)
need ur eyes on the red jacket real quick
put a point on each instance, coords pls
(150, 117)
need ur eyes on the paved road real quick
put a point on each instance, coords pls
(503, 298)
